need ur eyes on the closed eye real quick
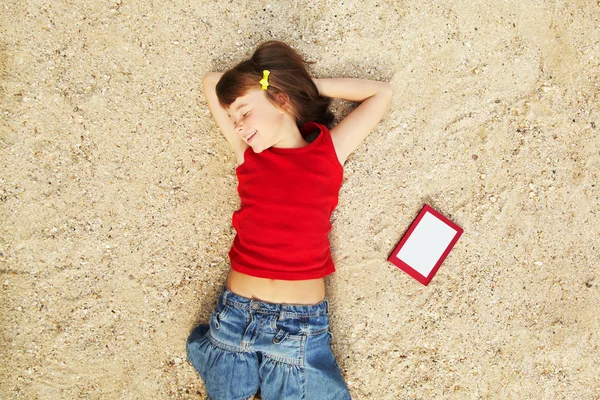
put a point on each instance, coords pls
(243, 116)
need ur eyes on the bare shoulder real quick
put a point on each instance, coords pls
(240, 157)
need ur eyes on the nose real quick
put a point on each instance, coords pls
(239, 127)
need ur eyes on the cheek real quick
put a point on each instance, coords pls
(278, 117)
(254, 119)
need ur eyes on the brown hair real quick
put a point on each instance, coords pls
(288, 75)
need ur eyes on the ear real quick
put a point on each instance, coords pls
(283, 101)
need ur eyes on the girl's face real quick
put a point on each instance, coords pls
(258, 122)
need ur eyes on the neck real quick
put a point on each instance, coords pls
(291, 136)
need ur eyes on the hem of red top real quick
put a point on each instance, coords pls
(282, 277)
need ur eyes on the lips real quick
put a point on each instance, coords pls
(250, 136)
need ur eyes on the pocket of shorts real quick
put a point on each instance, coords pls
(214, 320)
(219, 315)
(223, 313)
(222, 309)
(287, 329)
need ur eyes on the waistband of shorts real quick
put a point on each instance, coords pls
(291, 310)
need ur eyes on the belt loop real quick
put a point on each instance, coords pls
(225, 296)
(281, 312)
(327, 306)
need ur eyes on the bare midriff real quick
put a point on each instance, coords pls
(310, 291)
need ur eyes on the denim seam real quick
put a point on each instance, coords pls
(301, 315)
(297, 362)
(224, 346)
(241, 398)
(303, 334)
(318, 331)
(305, 380)
(223, 313)
(287, 313)
(250, 395)
(293, 337)
(290, 361)
(302, 349)
(273, 326)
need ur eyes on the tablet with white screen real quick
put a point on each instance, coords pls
(425, 245)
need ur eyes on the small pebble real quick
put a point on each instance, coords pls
(539, 263)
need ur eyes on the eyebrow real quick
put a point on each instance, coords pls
(237, 108)
(240, 106)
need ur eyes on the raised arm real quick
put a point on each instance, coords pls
(209, 84)
(375, 99)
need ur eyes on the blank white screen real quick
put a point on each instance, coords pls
(426, 244)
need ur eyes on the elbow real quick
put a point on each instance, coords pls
(211, 78)
(387, 90)
(206, 80)
(382, 92)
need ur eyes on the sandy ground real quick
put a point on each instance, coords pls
(116, 193)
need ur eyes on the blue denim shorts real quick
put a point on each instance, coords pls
(282, 349)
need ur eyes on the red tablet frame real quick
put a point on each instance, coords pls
(407, 268)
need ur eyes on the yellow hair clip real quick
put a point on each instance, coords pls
(265, 80)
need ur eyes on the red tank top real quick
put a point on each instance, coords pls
(287, 197)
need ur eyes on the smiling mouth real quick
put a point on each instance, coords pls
(250, 136)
